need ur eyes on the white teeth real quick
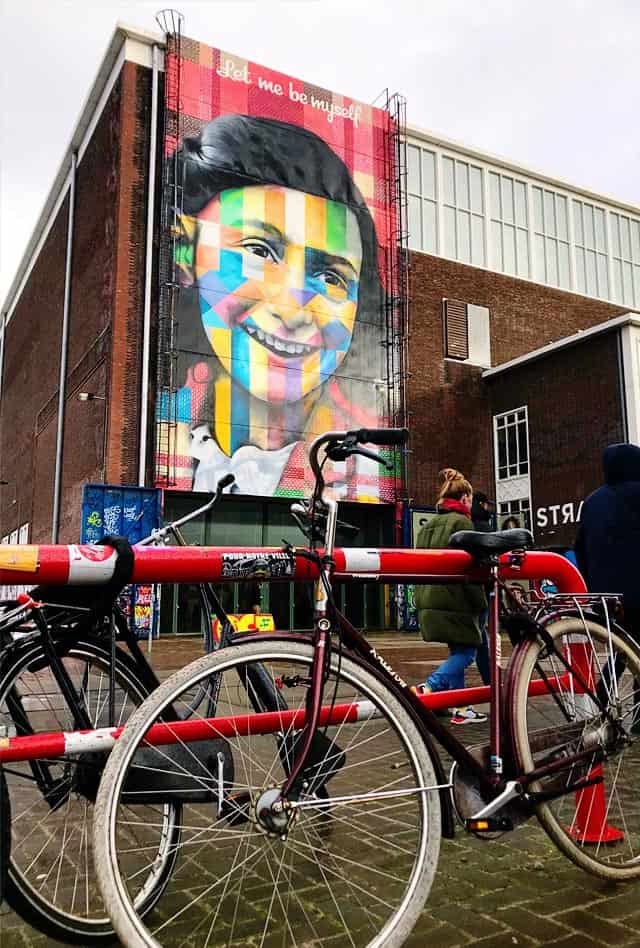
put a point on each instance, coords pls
(260, 334)
(291, 348)
(278, 344)
(251, 330)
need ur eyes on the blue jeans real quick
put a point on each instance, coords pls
(450, 674)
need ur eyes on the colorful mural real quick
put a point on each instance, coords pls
(286, 243)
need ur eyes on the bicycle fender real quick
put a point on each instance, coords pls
(446, 806)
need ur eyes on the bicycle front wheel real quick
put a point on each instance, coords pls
(352, 865)
(597, 827)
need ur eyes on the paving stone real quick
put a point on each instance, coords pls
(596, 927)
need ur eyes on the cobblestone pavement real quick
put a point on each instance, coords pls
(517, 891)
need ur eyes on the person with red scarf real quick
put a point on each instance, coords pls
(451, 613)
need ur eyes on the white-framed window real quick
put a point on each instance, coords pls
(517, 510)
(467, 332)
(550, 238)
(23, 533)
(422, 199)
(509, 224)
(511, 438)
(625, 252)
(590, 236)
(462, 211)
(13, 537)
(5, 539)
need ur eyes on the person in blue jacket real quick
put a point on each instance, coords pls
(607, 545)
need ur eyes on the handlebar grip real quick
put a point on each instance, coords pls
(383, 436)
(225, 482)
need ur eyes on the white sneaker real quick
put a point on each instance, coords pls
(468, 716)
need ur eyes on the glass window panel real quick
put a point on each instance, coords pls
(549, 214)
(464, 237)
(625, 238)
(564, 276)
(537, 209)
(449, 231)
(507, 200)
(551, 260)
(448, 187)
(590, 266)
(512, 448)
(502, 452)
(627, 284)
(577, 222)
(581, 280)
(589, 230)
(522, 252)
(561, 215)
(521, 203)
(496, 245)
(477, 240)
(428, 174)
(615, 235)
(601, 240)
(635, 241)
(429, 228)
(509, 240)
(520, 415)
(415, 224)
(603, 276)
(494, 194)
(462, 184)
(539, 268)
(413, 169)
(522, 444)
(477, 203)
(636, 280)
(617, 279)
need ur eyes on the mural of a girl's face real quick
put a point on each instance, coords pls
(278, 274)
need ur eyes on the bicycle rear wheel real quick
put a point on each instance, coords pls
(50, 876)
(598, 828)
(336, 872)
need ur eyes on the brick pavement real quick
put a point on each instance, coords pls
(517, 891)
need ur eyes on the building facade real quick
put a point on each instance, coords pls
(140, 340)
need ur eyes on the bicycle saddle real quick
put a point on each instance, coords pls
(482, 545)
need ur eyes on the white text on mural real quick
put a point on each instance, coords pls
(239, 72)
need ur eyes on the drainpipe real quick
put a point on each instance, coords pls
(146, 330)
(3, 329)
(64, 348)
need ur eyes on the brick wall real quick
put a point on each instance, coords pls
(575, 410)
(450, 416)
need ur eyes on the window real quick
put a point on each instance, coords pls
(463, 211)
(512, 444)
(551, 238)
(23, 533)
(625, 250)
(421, 187)
(467, 335)
(591, 249)
(519, 509)
(509, 225)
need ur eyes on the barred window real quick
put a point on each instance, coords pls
(589, 227)
(518, 510)
(512, 444)
(625, 251)
(463, 211)
(509, 225)
(551, 238)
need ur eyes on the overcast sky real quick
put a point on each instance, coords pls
(552, 84)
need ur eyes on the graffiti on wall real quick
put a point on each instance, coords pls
(284, 253)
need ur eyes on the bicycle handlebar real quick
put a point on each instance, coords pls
(390, 436)
(380, 436)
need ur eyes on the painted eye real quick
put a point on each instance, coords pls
(258, 248)
(334, 279)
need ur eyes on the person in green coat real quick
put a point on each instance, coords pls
(450, 613)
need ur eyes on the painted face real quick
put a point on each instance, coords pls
(278, 272)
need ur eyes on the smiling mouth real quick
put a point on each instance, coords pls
(286, 349)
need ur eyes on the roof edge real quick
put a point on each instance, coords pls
(486, 156)
(617, 322)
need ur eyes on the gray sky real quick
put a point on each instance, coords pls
(552, 84)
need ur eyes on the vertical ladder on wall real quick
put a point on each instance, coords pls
(167, 383)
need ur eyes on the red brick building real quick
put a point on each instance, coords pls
(522, 356)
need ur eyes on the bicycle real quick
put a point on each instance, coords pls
(269, 859)
(60, 667)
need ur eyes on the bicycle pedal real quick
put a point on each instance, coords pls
(490, 824)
